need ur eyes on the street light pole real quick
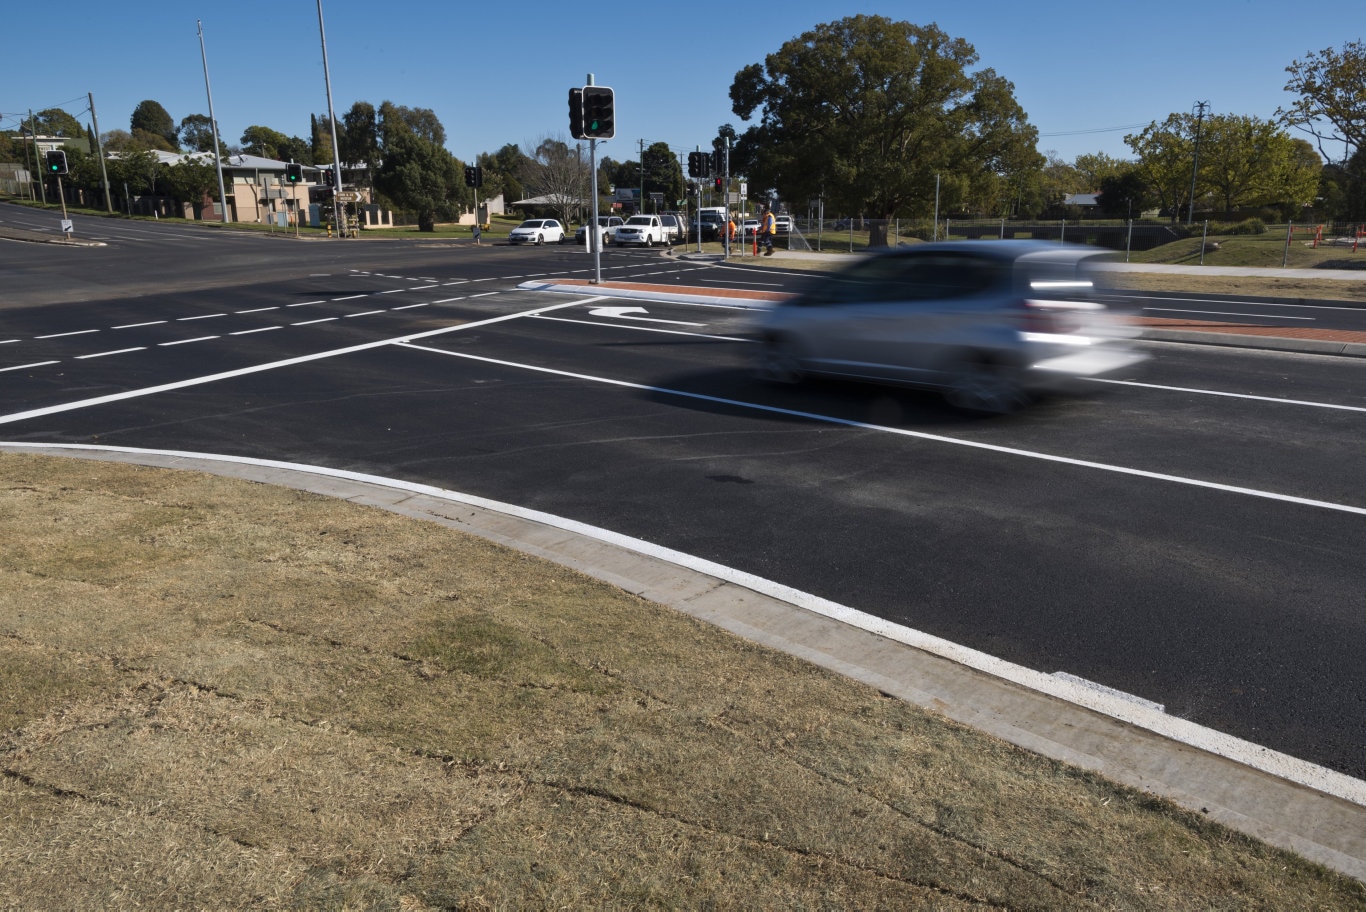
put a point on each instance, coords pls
(332, 121)
(1200, 107)
(213, 126)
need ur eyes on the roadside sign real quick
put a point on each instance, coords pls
(348, 196)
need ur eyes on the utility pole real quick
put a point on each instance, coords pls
(213, 126)
(99, 153)
(332, 121)
(33, 144)
(1200, 107)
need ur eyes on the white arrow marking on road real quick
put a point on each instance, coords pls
(625, 313)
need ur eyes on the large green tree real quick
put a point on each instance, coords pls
(416, 173)
(1331, 106)
(868, 112)
(1249, 162)
(196, 134)
(1166, 157)
(55, 122)
(192, 181)
(150, 117)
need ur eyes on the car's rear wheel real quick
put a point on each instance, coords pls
(985, 385)
(780, 360)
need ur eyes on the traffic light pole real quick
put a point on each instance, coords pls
(593, 236)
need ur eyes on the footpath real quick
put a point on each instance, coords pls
(1281, 800)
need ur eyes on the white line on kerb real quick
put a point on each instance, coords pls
(1118, 707)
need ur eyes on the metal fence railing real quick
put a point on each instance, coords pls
(852, 235)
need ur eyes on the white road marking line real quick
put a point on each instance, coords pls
(670, 332)
(1205, 392)
(19, 367)
(366, 313)
(351, 297)
(204, 317)
(119, 351)
(186, 341)
(918, 435)
(311, 322)
(259, 329)
(411, 306)
(140, 325)
(1225, 313)
(272, 365)
(256, 310)
(79, 332)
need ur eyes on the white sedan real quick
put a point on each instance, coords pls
(537, 231)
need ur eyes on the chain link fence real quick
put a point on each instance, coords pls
(851, 235)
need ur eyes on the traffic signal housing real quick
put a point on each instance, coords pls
(599, 112)
(294, 173)
(474, 176)
(699, 164)
(56, 162)
(329, 177)
(720, 184)
(576, 114)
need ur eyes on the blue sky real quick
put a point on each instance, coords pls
(1086, 73)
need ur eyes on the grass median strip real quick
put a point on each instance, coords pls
(215, 693)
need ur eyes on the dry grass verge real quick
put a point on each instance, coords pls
(217, 694)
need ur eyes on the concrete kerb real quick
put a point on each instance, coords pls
(1312, 811)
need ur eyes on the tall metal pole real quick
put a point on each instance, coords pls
(593, 236)
(332, 121)
(33, 144)
(1200, 107)
(99, 153)
(213, 125)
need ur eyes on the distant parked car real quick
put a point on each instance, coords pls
(750, 227)
(782, 224)
(645, 230)
(675, 228)
(537, 231)
(989, 323)
(607, 226)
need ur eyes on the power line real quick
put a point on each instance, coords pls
(1095, 130)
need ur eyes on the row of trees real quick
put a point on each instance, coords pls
(876, 117)
(886, 119)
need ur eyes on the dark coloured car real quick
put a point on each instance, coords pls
(990, 323)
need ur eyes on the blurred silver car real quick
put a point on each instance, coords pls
(990, 323)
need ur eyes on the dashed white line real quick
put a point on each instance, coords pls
(202, 317)
(349, 297)
(424, 304)
(79, 332)
(259, 329)
(256, 310)
(366, 313)
(311, 322)
(186, 341)
(140, 325)
(19, 367)
(119, 351)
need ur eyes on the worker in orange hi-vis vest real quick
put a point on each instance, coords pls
(768, 227)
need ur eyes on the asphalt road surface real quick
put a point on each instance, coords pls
(1192, 536)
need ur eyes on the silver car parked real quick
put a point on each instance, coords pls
(987, 322)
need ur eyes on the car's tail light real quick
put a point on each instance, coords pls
(1052, 317)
